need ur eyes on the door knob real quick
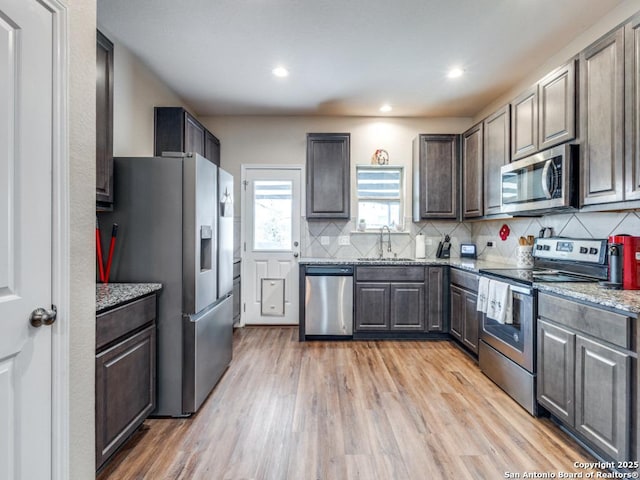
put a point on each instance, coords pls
(42, 316)
(295, 255)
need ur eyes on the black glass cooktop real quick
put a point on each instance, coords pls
(529, 275)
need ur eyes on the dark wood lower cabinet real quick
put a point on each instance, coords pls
(407, 306)
(457, 312)
(556, 359)
(125, 373)
(464, 319)
(372, 306)
(471, 322)
(437, 298)
(401, 300)
(602, 397)
(585, 382)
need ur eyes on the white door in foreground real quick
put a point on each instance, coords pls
(26, 131)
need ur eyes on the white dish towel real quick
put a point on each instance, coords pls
(500, 302)
(483, 294)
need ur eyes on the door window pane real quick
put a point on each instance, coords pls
(273, 209)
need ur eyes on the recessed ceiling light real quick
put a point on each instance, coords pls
(455, 72)
(280, 72)
(386, 108)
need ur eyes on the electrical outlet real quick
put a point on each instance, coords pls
(344, 240)
(491, 244)
(324, 240)
(428, 241)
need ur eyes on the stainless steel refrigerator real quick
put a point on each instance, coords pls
(175, 217)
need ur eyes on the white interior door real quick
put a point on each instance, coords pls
(271, 245)
(26, 109)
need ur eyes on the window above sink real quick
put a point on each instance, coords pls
(380, 194)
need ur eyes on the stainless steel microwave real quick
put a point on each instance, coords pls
(541, 183)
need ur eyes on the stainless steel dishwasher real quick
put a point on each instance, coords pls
(328, 302)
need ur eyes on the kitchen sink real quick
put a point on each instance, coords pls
(376, 259)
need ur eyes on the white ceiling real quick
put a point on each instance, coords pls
(346, 57)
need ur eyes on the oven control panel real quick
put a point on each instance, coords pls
(579, 250)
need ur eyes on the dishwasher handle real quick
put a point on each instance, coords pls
(329, 271)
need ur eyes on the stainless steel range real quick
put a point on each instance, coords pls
(507, 348)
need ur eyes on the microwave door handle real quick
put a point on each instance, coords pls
(544, 179)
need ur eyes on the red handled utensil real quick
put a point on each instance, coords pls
(112, 246)
(99, 251)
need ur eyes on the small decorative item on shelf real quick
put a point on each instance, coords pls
(380, 157)
(362, 225)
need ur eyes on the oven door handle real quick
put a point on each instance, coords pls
(522, 290)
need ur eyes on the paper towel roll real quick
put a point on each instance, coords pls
(420, 248)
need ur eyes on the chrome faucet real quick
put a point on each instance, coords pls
(381, 242)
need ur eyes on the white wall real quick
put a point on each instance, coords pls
(565, 52)
(136, 90)
(282, 140)
(82, 198)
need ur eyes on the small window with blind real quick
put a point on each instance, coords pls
(380, 197)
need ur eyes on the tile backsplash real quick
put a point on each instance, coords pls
(576, 225)
(323, 239)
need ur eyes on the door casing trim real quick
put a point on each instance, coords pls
(61, 255)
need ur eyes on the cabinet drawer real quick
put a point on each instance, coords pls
(117, 322)
(464, 279)
(390, 274)
(608, 326)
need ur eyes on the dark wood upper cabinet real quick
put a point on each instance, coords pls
(472, 167)
(524, 124)
(557, 107)
(176, 130)
(328, 175)
(632, 109)
(602, 79)
(435, 177)
(496, 154)
(194, 134)
(544, 115)
(104, 123)
(211, 147)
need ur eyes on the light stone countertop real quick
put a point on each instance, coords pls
(109, 295)
(627, 301)
(462, 263)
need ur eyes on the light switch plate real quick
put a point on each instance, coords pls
(324, 240)
(344, 240)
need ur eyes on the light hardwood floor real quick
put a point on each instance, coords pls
(347, 410)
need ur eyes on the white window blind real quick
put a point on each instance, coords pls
(380, 196)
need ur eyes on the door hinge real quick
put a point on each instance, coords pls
(244, 308)
(245, 246)
(245, 183)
